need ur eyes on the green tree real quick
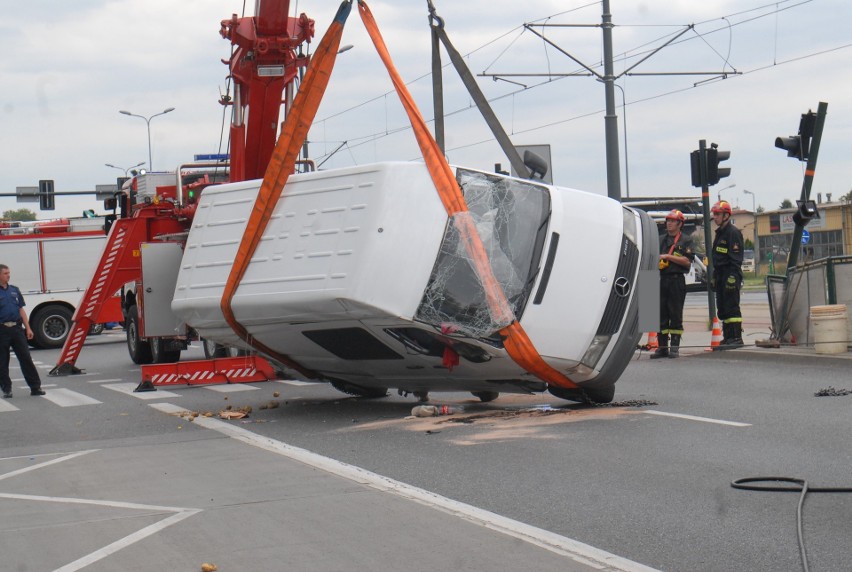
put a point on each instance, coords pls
(19, 215)
(760, 209)
(786, 204)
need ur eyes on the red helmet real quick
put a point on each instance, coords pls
(675, 215)
(721, 207)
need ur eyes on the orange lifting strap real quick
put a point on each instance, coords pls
(296, 126)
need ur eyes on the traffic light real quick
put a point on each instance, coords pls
(799, 146)
(695, 164)
(45, 195)
(806, 211)
(792, 144)
(714, 157)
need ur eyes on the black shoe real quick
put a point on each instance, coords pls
(674, 346)
(660, 353)
(7, 394)
(37, 392)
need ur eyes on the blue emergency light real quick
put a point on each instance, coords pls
(213, 157)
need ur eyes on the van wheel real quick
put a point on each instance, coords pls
(485, 396)
(51, 325)
(594, 394)
(139, 349)
(212, 350)
(161, 355)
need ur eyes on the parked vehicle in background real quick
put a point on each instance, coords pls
(748, 261)
(696, 278)
(52, 262)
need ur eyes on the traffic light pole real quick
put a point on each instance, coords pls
(806, 185)
(782, 325)
(708, 241)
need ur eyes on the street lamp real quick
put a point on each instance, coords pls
(754, 242)
(719, 191)
(125, 170)
(148, 123)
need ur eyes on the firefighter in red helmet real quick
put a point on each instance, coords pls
(676, 256)
(727, 275)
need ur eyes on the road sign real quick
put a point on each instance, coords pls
(103, 192)
(27, 194)
(806, 236)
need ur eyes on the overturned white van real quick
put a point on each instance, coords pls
(360, 278)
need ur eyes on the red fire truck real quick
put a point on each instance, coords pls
(52, 262)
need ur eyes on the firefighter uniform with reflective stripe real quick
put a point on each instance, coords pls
(676, 256)
(727, 278)
(673, 284)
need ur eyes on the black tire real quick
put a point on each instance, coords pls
(359, 391)
(593, 394)
(51, 325)
(139, 349)
(212, 350)
(159, 353)
(485, 396)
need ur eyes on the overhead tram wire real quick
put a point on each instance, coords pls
(369, 138)
(365, 139)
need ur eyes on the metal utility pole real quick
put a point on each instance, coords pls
(613, 167)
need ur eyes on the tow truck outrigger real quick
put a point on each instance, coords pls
(368, 278)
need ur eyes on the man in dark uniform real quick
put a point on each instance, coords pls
(12, 334)
(728, 275)
(676, 257)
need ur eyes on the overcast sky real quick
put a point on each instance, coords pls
(69, 67)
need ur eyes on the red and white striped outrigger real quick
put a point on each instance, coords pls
(244, 369)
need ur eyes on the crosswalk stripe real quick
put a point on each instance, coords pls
(231, 387)
(104, 380)
(6, 405)
(127, 389)
(67, 398)
(296, 382)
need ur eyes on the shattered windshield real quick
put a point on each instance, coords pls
(511, 218)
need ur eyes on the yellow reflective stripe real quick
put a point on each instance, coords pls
(722, 249)
(732, 320)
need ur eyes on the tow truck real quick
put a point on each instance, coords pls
(419, 277)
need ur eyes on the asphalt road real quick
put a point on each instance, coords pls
(100, 473)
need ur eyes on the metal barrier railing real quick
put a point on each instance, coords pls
(826, 281)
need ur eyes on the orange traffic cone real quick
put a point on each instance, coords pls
(716, 336)
(653, 343)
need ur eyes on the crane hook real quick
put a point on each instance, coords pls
(433, 16)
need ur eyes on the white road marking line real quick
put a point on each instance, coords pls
(44, 464)
(296, 382)
(558, 544)
(231, 387)
(103, 380)
(179, 514)
(129, 539)
(67, 398)
(6, 405)
(127, 389)
(695, 418)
